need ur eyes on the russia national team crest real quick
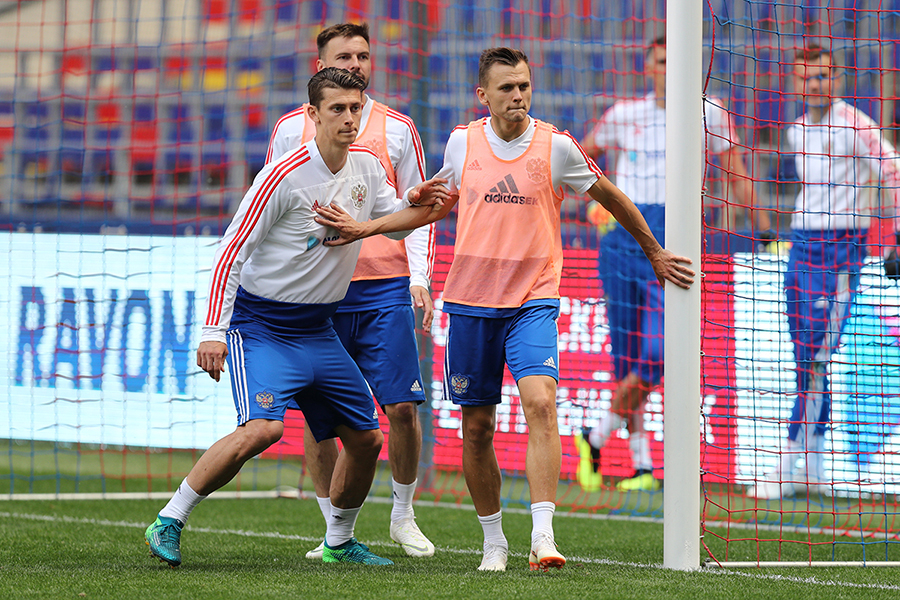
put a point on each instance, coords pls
(537, 170)
(459, 384)
(265, 399)
(358, 194)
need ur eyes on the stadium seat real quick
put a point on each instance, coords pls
(177, 72)
(249, 77)
(146, 73)
(104, 142)
(144, 142)
(285, 73)
(34, 156)
(214, 154)
(439, 74)
(256, 140)
(7, 131)
(286, 12)
(215, 75)
(180, 137)
(72, 150)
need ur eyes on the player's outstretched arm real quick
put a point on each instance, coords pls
(211, 358)
(666, 265)
(429, 193)
(434, 202)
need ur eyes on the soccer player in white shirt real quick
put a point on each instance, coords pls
(273, 288)
(840, 152)
(633, 134)
(375, 321)
(507, 174)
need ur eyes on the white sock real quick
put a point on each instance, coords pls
(608, 423)
(325, 507)
(640, 451)
(403, 497)
(493, 529)
(815, 459)
(542, 519)
(340, 525)
(182, 503)
(789, 458)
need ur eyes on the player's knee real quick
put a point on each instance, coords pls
(540, 410)
(365, 443)
(404, 415)
(478, 431)
(259, 434)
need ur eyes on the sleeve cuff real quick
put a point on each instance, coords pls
(212, 334)
(419, 281)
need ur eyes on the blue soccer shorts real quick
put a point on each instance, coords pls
(635, 310)
(383, 343)
(478, 347)
(270, 373)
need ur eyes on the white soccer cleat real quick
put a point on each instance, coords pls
(316, 553)
(545, 555)
(494, 558)
(411, 539)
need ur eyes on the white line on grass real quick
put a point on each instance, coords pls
(572, 559)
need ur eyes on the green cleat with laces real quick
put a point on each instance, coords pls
(352, 551)
(164, 538)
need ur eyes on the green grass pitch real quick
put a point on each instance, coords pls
(253, 548)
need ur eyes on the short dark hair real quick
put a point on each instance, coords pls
(346, 30)
(813, 52)
(499, 56)
(332, 78)
(658, 42)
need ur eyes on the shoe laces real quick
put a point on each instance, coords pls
(543, 539)
(169, 534)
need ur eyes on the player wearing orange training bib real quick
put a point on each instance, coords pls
(506, 173)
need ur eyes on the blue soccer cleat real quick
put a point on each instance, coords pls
(164, 538)
(352, 551)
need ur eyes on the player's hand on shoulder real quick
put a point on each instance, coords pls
(211, 358)
(348, 228)
(669, 267)
(429, 193)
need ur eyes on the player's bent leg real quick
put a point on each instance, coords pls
(320, 459)
(350, 483)
(219, 465)
(216, 467)
(355, 467)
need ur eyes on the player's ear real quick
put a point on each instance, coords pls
(319, 65)
(482, 97)
(313, 113)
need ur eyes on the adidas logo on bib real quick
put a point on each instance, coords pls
(550, 362)
(415, 387)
